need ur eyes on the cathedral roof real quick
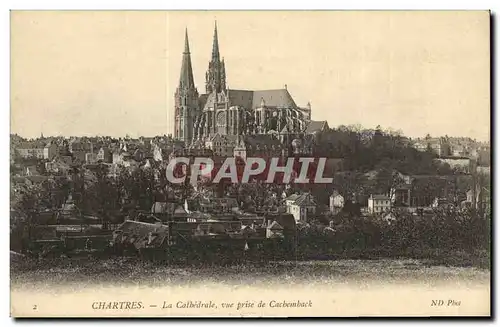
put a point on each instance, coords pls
(273, 98)
(241, 98)
(253, 99)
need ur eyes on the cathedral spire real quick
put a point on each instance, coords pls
(186, 42)
(186, 98)
(215, 46)
(186, 79)
(216, 74)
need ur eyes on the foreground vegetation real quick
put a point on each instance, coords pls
(127, 271)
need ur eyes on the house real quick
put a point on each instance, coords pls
(180, 213)
(440, 202)
(66, 159)
(69, 208)
(119, 157)
(123, 158)
(481, 198)
(162, 151)
(315, 126)
(251, 219)
(461, 164)
(140, 235)
(291, 199)
(30, 149)
(285, 220)
(274, 230)
(402, 178)
(158, 153)
(139, 155)
(257, 145)
(336, 201)
(38, 150)
(302, 206)
(470, 196)
(50, 150)
(163, 210)
(57, 166)
(379, 203)
(80, 148)
(104, 155)
(90, 158)
(484, 157)
(401, 195)
(438, 145)
(218, 205)
(223, 145)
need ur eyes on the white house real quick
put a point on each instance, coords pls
(50, 151)
(379, 203)
(302, 206)
(337, 201)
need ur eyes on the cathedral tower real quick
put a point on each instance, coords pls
(216, 73)
(186, 98)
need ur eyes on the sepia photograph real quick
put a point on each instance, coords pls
(250, 163)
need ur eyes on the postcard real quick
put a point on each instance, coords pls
(250, 164)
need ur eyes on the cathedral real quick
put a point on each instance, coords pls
(228, 112)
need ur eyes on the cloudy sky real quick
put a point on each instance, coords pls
(115, 73)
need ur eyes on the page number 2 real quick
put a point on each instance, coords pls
(35, 307)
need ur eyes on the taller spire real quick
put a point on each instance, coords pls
(186, 98)
(186, 79)
(215, 46)
(216, 74)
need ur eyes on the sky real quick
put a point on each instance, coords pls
(115, 72)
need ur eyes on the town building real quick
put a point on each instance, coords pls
(104, 154)
(379, 203)
(337, 202)
(79, 149)
(274, 230)
(441, 203)
(302, 207)
(38, 150)
(401, 195)
(438, 145)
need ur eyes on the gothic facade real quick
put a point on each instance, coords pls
(228, 112)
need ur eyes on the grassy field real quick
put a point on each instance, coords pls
(123, 271)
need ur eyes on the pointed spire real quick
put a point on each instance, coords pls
(186, 42)
(215, 47)
(216, 74)
(186, 79)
